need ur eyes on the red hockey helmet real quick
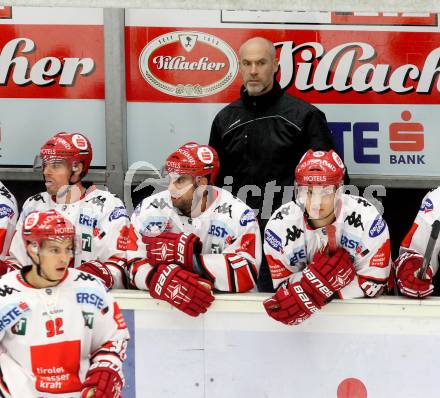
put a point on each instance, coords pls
(320, 168)
(71, 147)
(195, 160)
(49, 225)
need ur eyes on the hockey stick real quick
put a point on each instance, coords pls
(429, 249)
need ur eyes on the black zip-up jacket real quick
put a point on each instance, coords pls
(262, 138)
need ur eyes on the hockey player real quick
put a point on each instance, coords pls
(198, 237)
(100, 219)
(412, 250)
(61, 333)
(327, 244)
(8, 219)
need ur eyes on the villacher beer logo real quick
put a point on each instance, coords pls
(188, 64)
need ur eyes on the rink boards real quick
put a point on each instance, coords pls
(351, 349)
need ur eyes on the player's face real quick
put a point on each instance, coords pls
(55, 257)
(257, 67)
(318, 201)
(182, 189)
(57, 175)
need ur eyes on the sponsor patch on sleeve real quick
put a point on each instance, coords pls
(377, 227)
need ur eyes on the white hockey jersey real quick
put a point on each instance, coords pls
(417, 237)
(8, 219)
(290, 244)
(102, 226)
(50, 337)
(228, 230)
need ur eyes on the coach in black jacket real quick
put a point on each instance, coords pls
(261, 137)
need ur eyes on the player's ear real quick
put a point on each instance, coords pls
(203, 181)
(77, 168)
(32, 251)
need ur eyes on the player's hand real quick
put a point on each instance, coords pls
(337, 270)
(172, 248)
(290, 304)
(407, 267)
(102, 381)
(182, 289)
(100, 270)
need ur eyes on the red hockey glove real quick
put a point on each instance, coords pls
(6, 267)
(104, 379)
(182, 289)
(291, 305)
(171, 248)
(328, 274)
(407, 266)
(100, 270)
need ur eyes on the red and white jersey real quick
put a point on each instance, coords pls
(102, 226)
(8, 219)
(290, 244)
(50, 337)
(417, 237)
(228, 230)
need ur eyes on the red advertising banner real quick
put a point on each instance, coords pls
(170, 64)
(384, 19)
(52, 61)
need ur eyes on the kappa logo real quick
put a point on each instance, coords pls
(159, 204)
(283, 212)
(4, 192)
(355, 220)
(98, 201)
(292, 234)
(188, 64)
(364, 202)
(37, 198)
(225, 208)
(7, 290)
(84, 276)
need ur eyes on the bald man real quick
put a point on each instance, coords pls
(261, 137)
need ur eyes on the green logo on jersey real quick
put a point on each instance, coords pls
(88, 319)
(20, 327)
(87, 242)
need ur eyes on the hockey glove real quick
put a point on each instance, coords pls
(171, 248)
(104, 379)
(328, 274)
(291, 305)
(407, 266)
(100, 270)
(182, 289)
